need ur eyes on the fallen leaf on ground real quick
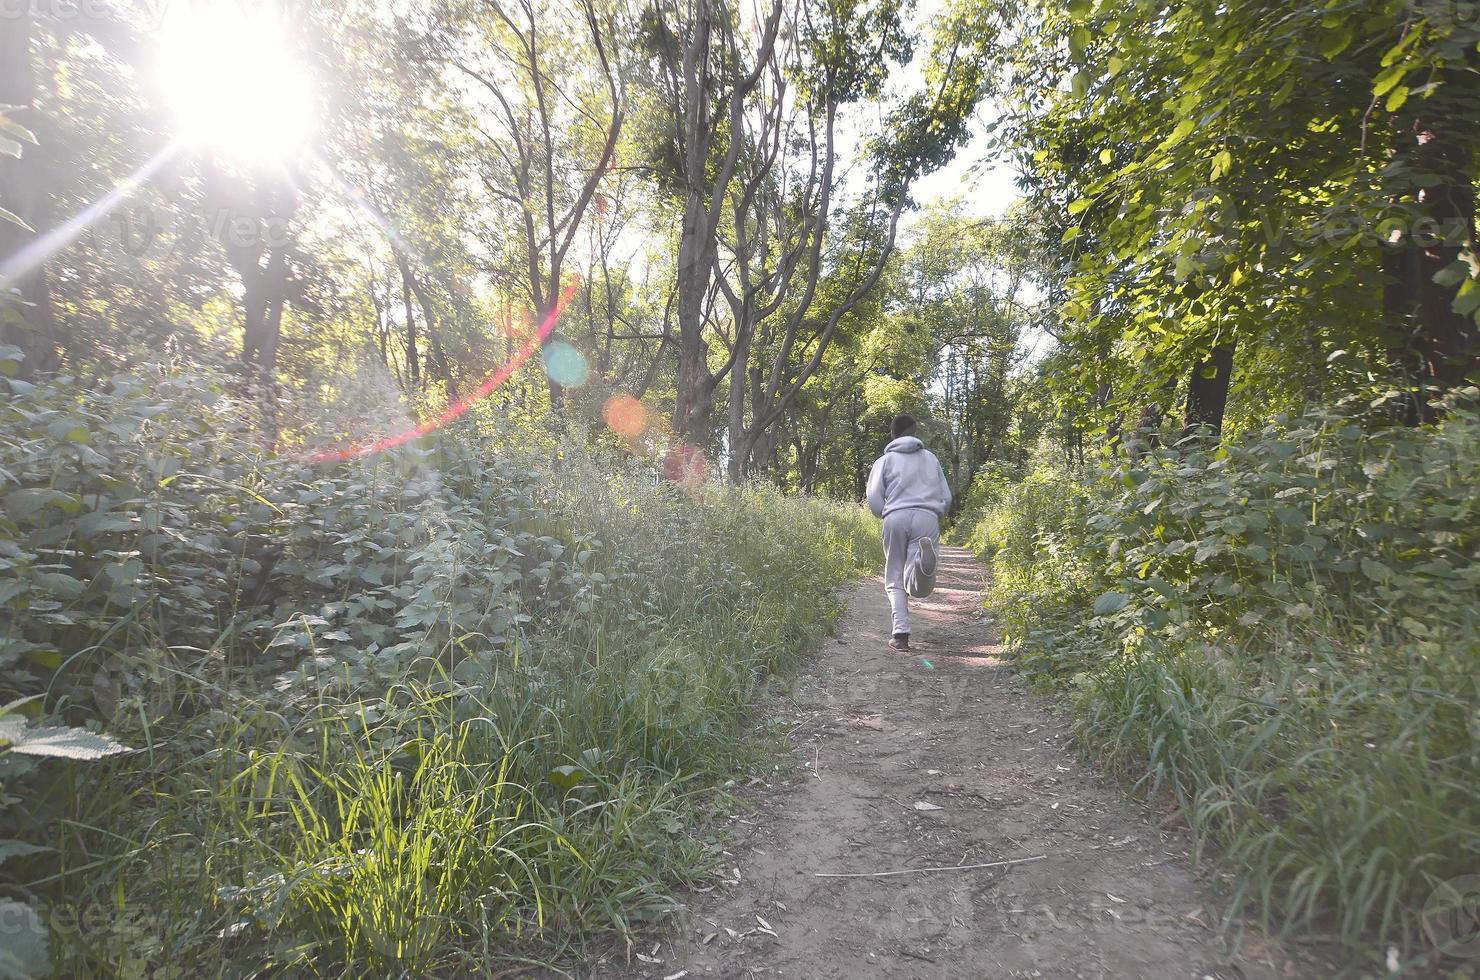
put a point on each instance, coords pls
(648, 959)
(922, 805)
(876, 722)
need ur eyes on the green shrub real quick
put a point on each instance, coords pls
(1282, 637)
(441, 706)
(990, 481)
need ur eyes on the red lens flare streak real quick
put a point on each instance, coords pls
(451, 412)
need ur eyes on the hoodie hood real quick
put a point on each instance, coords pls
(905, 444)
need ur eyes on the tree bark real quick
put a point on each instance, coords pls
(1207, 393)
(1435, 348)
(704, 196)
(437, 356)
(264, 293)
(251, 223)
(29, 324)
(413, 353)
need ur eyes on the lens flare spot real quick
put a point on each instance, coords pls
(625, 415)
(685, 465)
(565, 365)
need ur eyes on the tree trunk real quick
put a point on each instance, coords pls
(703, 201)
(264, 292)
(1435, 348)
(553, 385)
(693, 408)
(437, 357)
(809, 458)
(251, 223)
(413, 353)
(30, 324)
(739, 375)
(275, 281)
(1207, 393)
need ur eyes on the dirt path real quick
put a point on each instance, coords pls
(940, 759)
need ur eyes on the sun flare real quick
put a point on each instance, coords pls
(233, 82)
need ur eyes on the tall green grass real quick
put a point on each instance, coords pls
(1282, 639)
(439, 711)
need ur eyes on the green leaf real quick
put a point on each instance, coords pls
(1396, 98)
(50, 659)
(69, 431)
(56, 741)
(1179, 133)
(1333, 42)
(18, 848)
(21, 504)
(1161, 585)
(1111, 602)
(1387, 79)
(1222, 163)
(1291, 516)
(1376, 570)
(564, 778)
(1467, 300)
(60, 584)
(1078, 42)
(99, 522)
(1453, 274)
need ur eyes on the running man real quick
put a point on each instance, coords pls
(908, 489)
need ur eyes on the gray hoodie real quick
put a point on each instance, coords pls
(907, 475)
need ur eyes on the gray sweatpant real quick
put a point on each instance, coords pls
(903, 530)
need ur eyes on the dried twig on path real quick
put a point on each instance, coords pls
(922, 871)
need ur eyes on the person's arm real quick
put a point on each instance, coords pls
(945, 487)
(876, 488)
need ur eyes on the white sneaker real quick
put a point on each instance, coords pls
(924, 578)
(927, 557)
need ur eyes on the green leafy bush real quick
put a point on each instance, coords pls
(1282, 637)
(991, 480)
(436, 707)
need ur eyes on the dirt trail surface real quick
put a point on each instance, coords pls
(940, 759)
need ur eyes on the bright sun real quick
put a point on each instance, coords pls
(232, 82)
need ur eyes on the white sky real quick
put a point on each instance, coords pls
(985, 185)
